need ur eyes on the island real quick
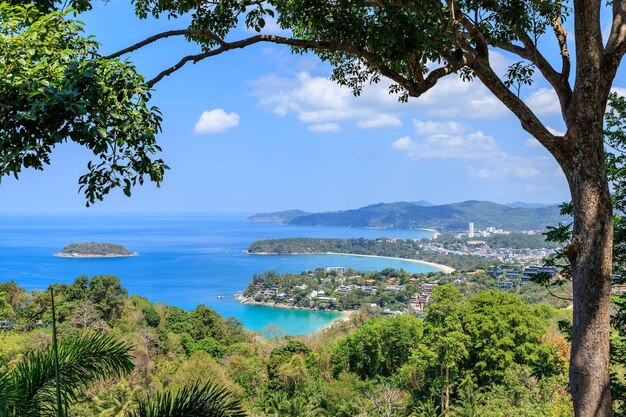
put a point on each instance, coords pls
(94, 250)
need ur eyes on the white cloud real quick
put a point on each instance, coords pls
(380, 120)
(543, 102)
(314, 100)
(431, 127)
(444, 140)
(325, 128)
(215, 121)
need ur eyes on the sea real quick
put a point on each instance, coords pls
(183, 260)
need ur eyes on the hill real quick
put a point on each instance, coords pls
(449, 217)
(278, 216)
(93, 250)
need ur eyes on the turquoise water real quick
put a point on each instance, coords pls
(183, 260)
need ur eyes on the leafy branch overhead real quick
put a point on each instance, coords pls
(54, 88)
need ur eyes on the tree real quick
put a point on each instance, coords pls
(416, 44)
(444, 334)
(108, 295)
(615, 159)
(28, 389)
(75, 96)
(503, 331)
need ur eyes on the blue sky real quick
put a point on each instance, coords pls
(260, 129)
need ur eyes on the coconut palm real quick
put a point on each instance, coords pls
(196, 400)
(29, 389)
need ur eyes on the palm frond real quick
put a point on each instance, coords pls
(81, 361)
(208, 400)
(7, 395)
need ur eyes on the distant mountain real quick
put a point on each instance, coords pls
(278, 216)
(520, 204)
(423, 203)
(450, 217)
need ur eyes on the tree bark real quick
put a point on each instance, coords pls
(447, 390)
(590, 254)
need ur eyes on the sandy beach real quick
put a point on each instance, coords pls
(443, 268)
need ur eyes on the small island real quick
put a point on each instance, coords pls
(94, 250)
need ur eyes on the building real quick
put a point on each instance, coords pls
(339, 270)
(530, 271)
(428, 288)
(368, 289)
(471, 229)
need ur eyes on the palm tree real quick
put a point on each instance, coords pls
(197, 400)
(29, 389)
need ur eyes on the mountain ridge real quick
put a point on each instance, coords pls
(444, 217)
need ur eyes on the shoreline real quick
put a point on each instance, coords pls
(80, 256)
(443, 268)
(345, 315)
(250, 301)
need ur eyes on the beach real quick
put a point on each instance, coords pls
(443, 268)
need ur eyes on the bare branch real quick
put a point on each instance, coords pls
(163, 35)
(415, 88)
(616, 44)
(530, 122)
(561, 37)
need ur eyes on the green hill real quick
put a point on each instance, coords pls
(450, 217)
(278, 216)
(93, 250)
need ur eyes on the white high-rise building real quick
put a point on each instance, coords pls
(471, 229)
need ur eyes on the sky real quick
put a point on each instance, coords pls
(260, 129)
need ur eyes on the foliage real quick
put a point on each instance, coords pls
(207, 400)
(28, 389)
(379, 347)
(95, 249)
(370, 365)
(55, 88)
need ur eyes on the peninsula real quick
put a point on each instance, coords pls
(405, 249)
(93, 250)
(341, 289)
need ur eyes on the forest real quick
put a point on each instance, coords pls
(485, 353)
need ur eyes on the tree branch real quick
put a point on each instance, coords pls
(561, 37)
(163, 35)
(415, 88)
(530, 122)
(616, 44)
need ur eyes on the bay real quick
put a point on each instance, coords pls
(184, 260)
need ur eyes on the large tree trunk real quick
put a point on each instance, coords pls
(590, 253)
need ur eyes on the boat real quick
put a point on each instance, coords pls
(221, 297)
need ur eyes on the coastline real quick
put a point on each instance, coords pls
(346, 315)
(80, 256)
(250, 301)
(443, 268)
(435, 233)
